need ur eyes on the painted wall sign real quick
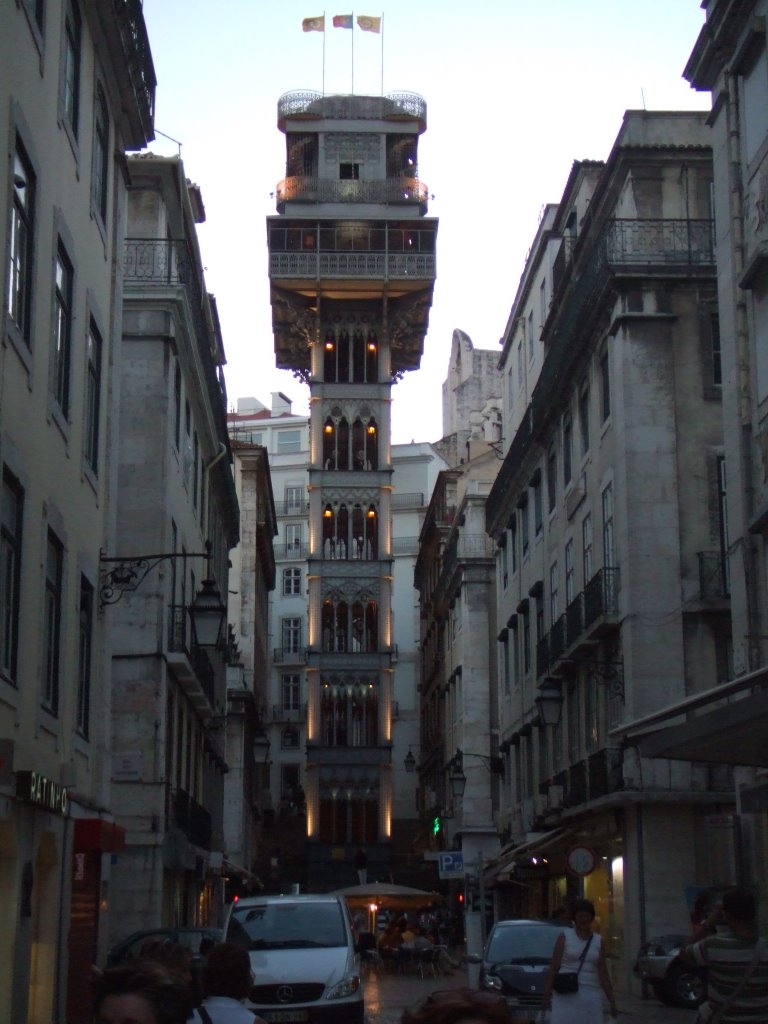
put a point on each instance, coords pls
(42, 792)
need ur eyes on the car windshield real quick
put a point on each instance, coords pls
(522, 943)
(287, 926)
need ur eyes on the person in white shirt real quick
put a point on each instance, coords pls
(227, 981)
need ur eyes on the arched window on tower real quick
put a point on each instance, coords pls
(358, 532)
(330, 443)
(343, 360)
(372, 444)
(358, 357)
(342, 447)
(371, 358)
(330, 353)
(371, 549)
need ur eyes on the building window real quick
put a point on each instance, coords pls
(293, 540)
(10, 572)
(100, 172)
(526, 643)
(291, 633)
(584, 417)
(21, 227)
(609, 555)
(570, 583)
(85, 648)
(605, 387)
(294, 500)
(504, 562)
(524, 526)
(538, 502)
(349, 172)
(177, 405)
(586, 547)
(543, 301)
(288, 442)
(62, 329)
(72, 56)
(552, 478)
(93, 397)
(520, 365)
(717, 364)
(513, 543)
(291, 691)
(291, 582)
(195, 469)
(567, 450)
(554, 610)
(289, 737)
(54, 565)
(530, 337)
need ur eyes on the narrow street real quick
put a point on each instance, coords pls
(387, 995)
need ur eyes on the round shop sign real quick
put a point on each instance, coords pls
(581, 860)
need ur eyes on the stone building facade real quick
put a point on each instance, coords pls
(608, 521)
(76, 92)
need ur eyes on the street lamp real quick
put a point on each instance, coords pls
(457, 780)
(208, 614)
(410, 762)
(549, 702)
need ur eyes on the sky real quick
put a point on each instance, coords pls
(516, 90)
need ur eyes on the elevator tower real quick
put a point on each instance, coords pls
(352, 270)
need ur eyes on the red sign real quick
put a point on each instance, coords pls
(581, 860)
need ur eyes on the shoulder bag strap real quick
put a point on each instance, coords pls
(584, 952)
(205, 1017)
(751, 967)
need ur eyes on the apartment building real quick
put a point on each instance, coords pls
(608, 519)
(76, 92)
(177, 519)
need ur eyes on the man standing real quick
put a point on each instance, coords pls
(736, 958)
(361, 866)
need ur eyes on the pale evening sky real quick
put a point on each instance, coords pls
(515, 89)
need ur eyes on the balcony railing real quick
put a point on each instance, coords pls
(404, 499)
(574, 620)
(289, 655)
(395, 106)
(333, 190)
(368, 265)
(713, 575)
(138, 56)
(601, 595)
(659, 241)
(557, 639)
(283, 714)
(180, 642)
(193, 819)
(292, 508)
(291, 551)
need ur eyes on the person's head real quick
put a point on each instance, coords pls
(582, 913)
(227, 971)
(739, 905)
(459, 1006)
(140, 993)
(172, 955)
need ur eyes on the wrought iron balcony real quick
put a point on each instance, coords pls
(291, 551)
(393, 191)
(180, 642)
(574, 620)
(713, 575)
(126, 38)
(292, 507)
(659, 241)
(284, 714)
(193, 819)
(601, 596)
(404, 499)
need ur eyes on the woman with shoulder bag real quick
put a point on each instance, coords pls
(578, 975)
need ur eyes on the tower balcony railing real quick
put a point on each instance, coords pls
(365, 265)
(395, 106)
(301, 189)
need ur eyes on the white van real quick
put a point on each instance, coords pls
(303, 958)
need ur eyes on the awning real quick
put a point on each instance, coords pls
(726, 725)
(543, 841)
(230, 868)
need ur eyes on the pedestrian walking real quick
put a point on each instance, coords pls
(736, 958)
(578, 975)
(144, 992)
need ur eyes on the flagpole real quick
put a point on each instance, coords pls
(323, 54)
(382, 53)
(353, 52)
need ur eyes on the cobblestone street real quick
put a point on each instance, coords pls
(387, 995)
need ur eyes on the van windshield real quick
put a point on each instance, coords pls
(287, 926)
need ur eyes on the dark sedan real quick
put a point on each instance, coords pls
(515, 964)
(133, 946)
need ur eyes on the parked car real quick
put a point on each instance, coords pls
(131, 947)
(303, 957)
(673, 981)
(515, 962)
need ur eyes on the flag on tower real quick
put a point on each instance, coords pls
(342, 21)
(313, 24)
(367, 24)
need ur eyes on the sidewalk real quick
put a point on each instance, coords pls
(387, 995)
